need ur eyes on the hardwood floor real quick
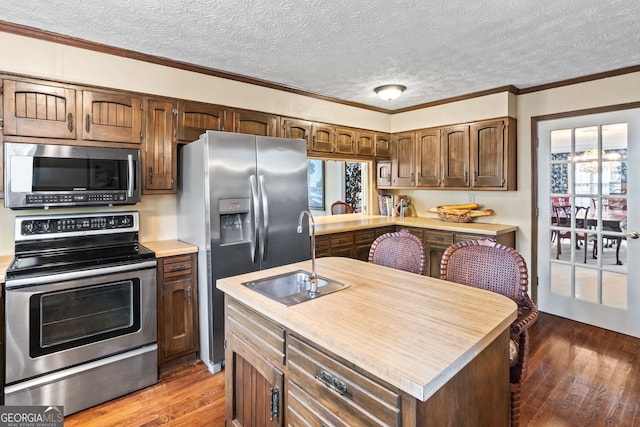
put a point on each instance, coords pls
(579, 375)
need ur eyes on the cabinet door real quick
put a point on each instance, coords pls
(455, 156)
(178, 331)
(300, 129)
(487, 154)
(195, 118)
(428, 158)
(383, 173)
(112, 117)
(402, 160)
(158, 166)
(383, 145)
(42, 110)
(435, 243)
(362, 243)
(345, 141)
(253, 123)
(365, 143)
(323, 138)
(255, 387)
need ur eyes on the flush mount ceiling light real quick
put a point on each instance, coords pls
(389, 92)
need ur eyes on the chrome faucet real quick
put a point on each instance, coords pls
(313, 280)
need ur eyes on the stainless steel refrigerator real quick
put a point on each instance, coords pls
(239, 199)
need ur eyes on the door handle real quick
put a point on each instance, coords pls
(264, 247)
(632, 235)
(256, 215)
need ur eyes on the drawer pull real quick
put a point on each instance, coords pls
(439, 238)
(332, 382)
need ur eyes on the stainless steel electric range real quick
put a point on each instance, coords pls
(80, 311)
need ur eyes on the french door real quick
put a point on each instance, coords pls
(588, 220)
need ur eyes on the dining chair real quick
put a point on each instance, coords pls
(489, 265)
(562, 218)
(399, 249)
(340, 207)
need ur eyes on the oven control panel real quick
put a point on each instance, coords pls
(52, 225)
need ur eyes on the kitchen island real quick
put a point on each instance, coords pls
(394, 348)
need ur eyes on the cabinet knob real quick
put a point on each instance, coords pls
(70, 122)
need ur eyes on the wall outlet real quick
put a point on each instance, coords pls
(471, 198)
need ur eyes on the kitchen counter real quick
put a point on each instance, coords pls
(167, 248)
(342, 223)
(5, 261)
(410, 331)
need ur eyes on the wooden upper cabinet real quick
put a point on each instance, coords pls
(113, 117)
(159, 166)
(323, 138)
(493, 154)
(383, 145)
(195, 118)
(403, 160)
(345, 141)
(455, 155)
(253, 123)
(299, 129)
(428, 158)
(365, 143)
(40, 110)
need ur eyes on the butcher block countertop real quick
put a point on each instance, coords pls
(412, 331)
(166, 248)
(343, 223)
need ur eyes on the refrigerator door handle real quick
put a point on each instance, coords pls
(264, 239)
(256, 217)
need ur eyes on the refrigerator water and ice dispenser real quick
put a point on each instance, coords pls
(234, 221)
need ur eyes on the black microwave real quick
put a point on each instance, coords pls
(48, 175)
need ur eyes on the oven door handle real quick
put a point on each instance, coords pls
(62, 277)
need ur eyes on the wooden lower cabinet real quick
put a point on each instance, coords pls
(254, 368)
(350, 244)
(356, 244)
(274, 377)
(178, 340)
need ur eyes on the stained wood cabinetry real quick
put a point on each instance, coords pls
(428, 158)
(177, 311)
(111, 117)
(435, 242)
(345, 141)
(252, 122)
(254, 366)
(321, 390)
(297, 129)
(195, 118)
(39, 109)
(323, 138)
(403, 159)
(383, 145)
(159, 153)
(365, 143)
(455, 156)
(478, 156)
(350, 244)
(383, 173)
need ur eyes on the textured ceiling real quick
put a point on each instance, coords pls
(344, 48)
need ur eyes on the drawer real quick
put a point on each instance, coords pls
(463, 236)
(177, 266)
(261, 334)
(341, 239)
(364, 236)
(384, 230)
(439, 237)
(341, 395)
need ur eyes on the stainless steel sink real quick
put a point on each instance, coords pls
(293, 288)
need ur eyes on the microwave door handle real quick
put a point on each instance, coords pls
(130, 175)
(265, 215)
